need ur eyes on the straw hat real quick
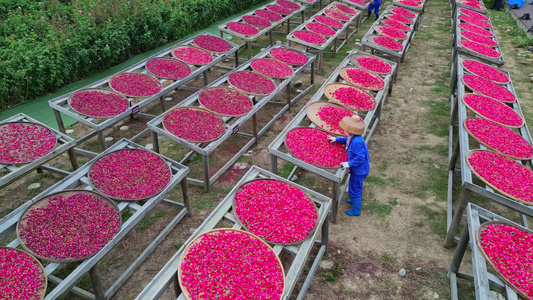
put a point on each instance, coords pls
(353, 125)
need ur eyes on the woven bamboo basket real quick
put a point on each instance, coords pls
(353, 59)
(43, 202)
(489, 147)
(343, 73)
(381, 22)
(484, 117)
(489, 261)
(331, 87)
(472, 89)
(271, 242)
(273, 61)
(215, 231)
(312, 114)
(378, 30)
(498, 82)
(133, 96)
(337, 19)
(297, 51)
(388, 16)
(466, 38)
(43, 277)
(324, 35)
(44, 127)
(102, 91)
(221, 52)
(319, 166)
(490, 184)
(228, 88)
(235, 86)
(199, 109)
(472, 51)
(122, 199)
(171, 59)
(189, 46)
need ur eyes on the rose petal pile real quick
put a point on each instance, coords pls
(69, 227)
(191, 55)
(21, 276)
(23, 142)
(485, 71)
(332, 115)
(168, 68)
(511, 251)
(242, 28)
(488, 88)
(98, 104)
(194, 125)
(130, 174)
(476, 30)
(271, 67)
(364, 79)
(311, 145)
(354, 98)
(269, 15)
(310, 37)
(320, 29)
(392, 32)
(481, 49)
(409, 3)
(479, 39)
(212, 43)
(499, 138)
(256, 21)
(473, 4)
(231, 265)
(135, 84)
(504, 174)
(388, 42)
(278, 9)
(402, 11)
(474, 14)
(358, 2)
(328, 21)
(252, 83)
(336, 15)
(288, 56)
(400, 18)
(288, 4)
(397, 25)
(493, 110)
(474, 21)
(275, 211)
(374, 64)
(345, 9)
(225, 101)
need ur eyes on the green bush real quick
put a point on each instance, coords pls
(46, 45)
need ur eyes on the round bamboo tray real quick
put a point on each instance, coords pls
(122, 199)
(477, 92)
(381, 22)
(194, 108)
(343, 73)
(498, 82)
(189, 46)
(290, 64)
(378, 30)
(133, 96)
(490, 184)
(274, 61)
(271, 242)
(215, 231)
(228, 88)
(27, 162)
(312, 111)
(218, 52)
(331, 87)
(388, 16)
(318, 166)
(171, 59)
(484, 117)
(43, 202)
(97, 90)
(466, 38)
(256, 94)
(489, 261)
(41, 268)
(489, 147)
(353, 59)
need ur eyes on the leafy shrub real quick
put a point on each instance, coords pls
(46, 45)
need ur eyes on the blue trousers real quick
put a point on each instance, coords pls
(374, 7)
(355, 189)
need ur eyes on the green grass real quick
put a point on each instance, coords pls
(203, 203)
(126, 214)
(286, 170)
(147, 222)
(379, 208)
(435, 218)
(438, 117)
(376, 180)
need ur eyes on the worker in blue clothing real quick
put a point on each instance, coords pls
(375, 7)
(358, 159)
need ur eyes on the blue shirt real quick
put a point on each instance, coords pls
(358, 158)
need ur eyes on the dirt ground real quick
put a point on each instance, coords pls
(403, 221)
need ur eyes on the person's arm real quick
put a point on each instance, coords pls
(341, 140)
(360, 156)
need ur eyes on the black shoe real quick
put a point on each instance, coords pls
(377, 17)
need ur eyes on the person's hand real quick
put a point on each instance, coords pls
(345, 165)
(332, 139)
